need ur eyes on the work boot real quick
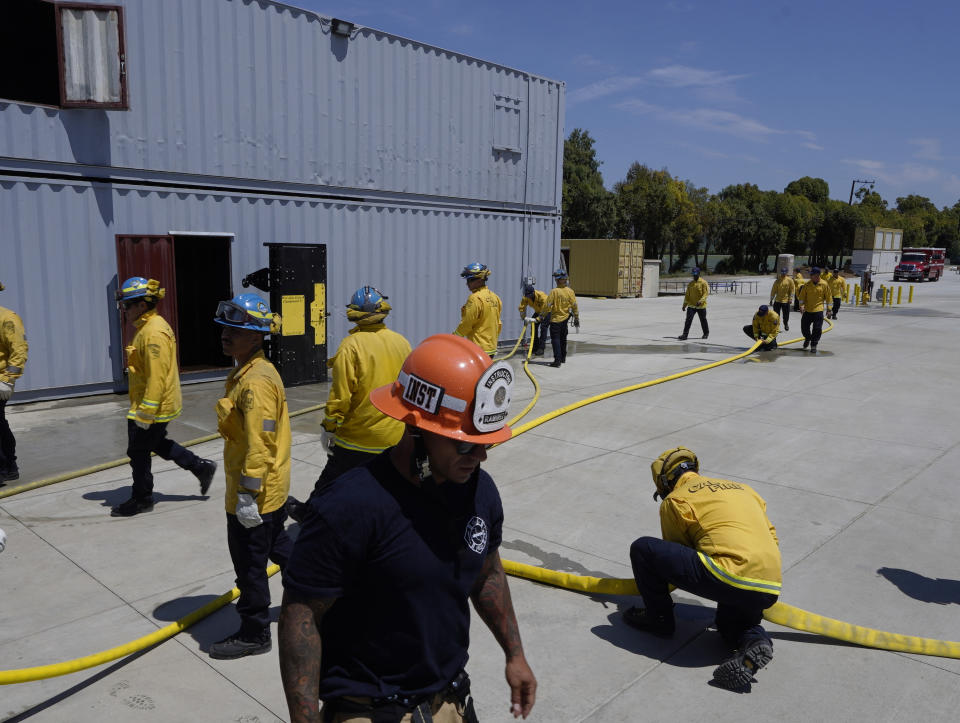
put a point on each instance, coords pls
(204, 472)
(682, 337)
(806, 343)
(786, 327)
(237, 646)
(538, 353)
(9, 474)
(555, 364)
(704, 336)
(132, 507)
(737, 672)
(642, 619)
(813, 349)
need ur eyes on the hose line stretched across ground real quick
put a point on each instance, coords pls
(119, 462)
(781, 613)
(41, 672)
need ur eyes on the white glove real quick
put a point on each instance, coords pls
(142, 424)
(326, 441)
(6, 391)
(247, 513)
(3, 540)
(529, 320)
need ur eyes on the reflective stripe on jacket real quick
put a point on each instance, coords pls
(13, 346)
(783, 290)
(727, 524)
(815, 297)
(480, 319)
(561, 302)
(255, 424)
(697, 293)
(369, 357)
(766, 327)
(153, 376)
(537, 302)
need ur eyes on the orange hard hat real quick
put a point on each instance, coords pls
(449, 386)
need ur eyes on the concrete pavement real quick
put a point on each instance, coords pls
(854, 450)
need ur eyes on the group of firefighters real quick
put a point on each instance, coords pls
(812, 298)
(403, 527)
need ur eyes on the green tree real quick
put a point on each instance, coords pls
(588, 208)
(816, 189)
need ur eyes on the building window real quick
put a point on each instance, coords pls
(506, 123)
(69, 55)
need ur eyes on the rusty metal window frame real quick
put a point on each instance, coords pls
(123, 103)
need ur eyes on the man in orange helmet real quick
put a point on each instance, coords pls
(390, 553)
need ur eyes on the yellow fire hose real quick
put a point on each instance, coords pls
(119, 462)
(781, 613)
(41, 672)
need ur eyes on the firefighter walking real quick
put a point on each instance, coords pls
(154, 390)
(13, 357)
(839, 289)
(814, 298)
(781, 296)
(695, 303)
(480, 315)
(560, 305)
(371, 355)
(253, 419)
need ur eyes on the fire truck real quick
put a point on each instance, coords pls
(920, 264)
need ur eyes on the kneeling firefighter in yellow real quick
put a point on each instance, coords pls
(370, 356)
(253, 419)
(154, 388)
(719, 544)
(480, 315)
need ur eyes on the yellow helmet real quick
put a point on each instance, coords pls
(670, 466)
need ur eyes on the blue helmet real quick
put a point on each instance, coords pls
(475, 270)
(367, 298)
(560, 274)
(137, 287)
(762, 311)
(245, 311)
(695, 271)
(529, 291)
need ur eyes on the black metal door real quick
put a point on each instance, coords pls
(297, 282)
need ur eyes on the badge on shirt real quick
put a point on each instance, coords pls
(475, 535)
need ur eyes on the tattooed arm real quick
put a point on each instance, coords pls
(491, 599)
(299, 633)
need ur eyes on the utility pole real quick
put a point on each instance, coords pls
(853, 185)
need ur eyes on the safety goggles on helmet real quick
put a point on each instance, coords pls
(228, 311)
(670, 466)
(367, 298)
(246, 311)
(476, 270)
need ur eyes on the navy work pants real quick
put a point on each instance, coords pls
(141, 442)
(8, 445)
(702, 313)
(836, 305)
(748, 330)
(558, 340)
(783, 308)
(250, 548)
(540, 330)
(811, 326)
(658, 563)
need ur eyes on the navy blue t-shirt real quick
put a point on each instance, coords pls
(402, 562)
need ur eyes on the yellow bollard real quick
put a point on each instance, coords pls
(910, 295)
(856, 294)
(899, 294)
(890, 296)
(883, 296)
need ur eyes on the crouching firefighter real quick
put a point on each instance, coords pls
(718, 544)
(375, 621)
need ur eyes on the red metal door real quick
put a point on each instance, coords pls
(150, 257)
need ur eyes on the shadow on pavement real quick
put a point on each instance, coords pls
(925, 589)
(122, 494)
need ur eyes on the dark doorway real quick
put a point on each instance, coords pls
(203, 281)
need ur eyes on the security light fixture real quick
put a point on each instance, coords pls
(341, 27)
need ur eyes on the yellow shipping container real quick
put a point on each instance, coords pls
(605, 267)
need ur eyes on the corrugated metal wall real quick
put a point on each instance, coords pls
(60, 262)
(257, 90)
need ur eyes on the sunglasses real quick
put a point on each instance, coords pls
(465, 448)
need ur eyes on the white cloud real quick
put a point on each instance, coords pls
(915, 173)
(928, 149)
(711, 119)
(681, 76)
(812, 146)
(601, 88)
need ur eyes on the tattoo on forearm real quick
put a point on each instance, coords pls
(299, 634)
(491, 598)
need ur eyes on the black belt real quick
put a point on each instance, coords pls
(393, 708)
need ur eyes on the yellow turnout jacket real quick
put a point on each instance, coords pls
(153, 376)
(480, 319)
(13, 346)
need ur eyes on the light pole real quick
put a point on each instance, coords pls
(853, 185)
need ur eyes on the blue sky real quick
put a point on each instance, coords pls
(728, 92)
